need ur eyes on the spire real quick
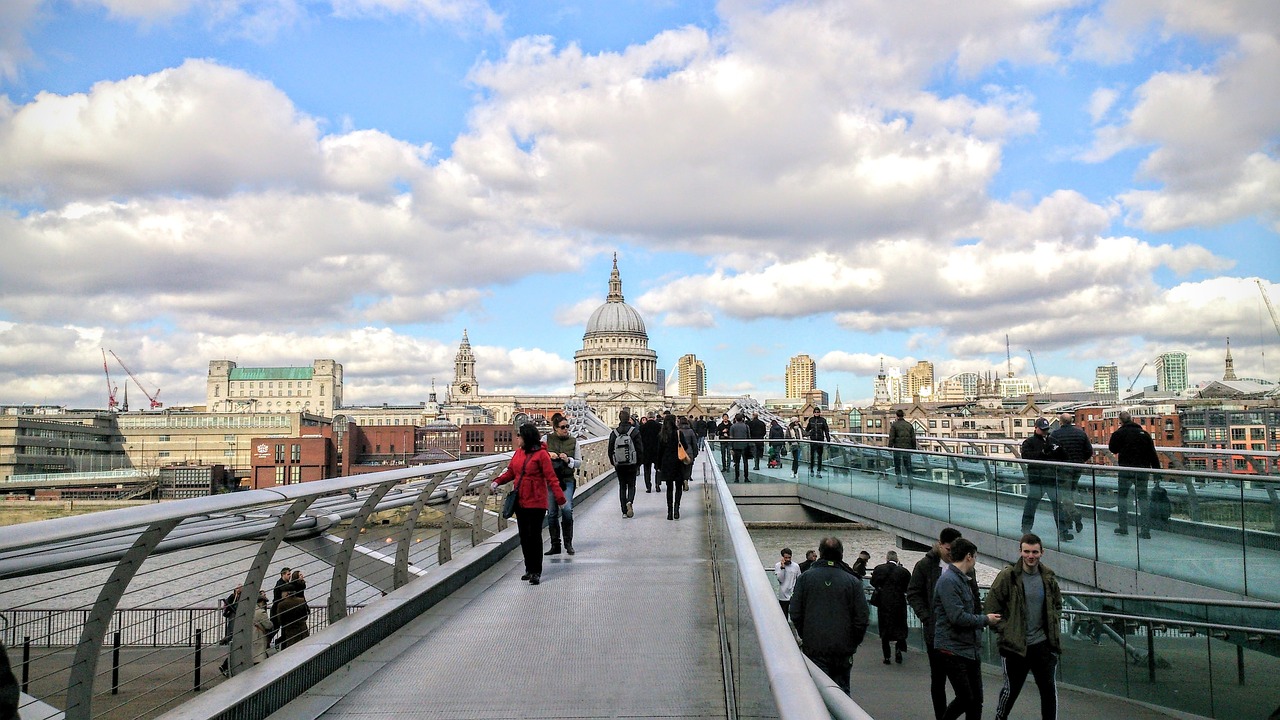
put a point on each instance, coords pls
(838, 404)
(615, 283)
(1230, 373)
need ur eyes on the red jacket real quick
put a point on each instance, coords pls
(534, 477)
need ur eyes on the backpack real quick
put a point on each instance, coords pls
(624, 449)
(1161, 508)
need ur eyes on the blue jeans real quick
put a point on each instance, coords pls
(555, 513)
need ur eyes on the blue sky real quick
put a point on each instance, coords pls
(274, 181)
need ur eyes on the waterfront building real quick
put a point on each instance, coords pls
(232, 389)
(693, 375)
(1171, 372)
(38, 444)
(801, 376)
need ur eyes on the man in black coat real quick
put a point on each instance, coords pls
(1133, 448)
(722, 434)
(1076, 448)
(818, 431)
(830, 612)
(1042, 479)
(649, 428)
(890, 580)
(758, 432)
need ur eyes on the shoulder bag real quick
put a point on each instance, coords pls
(509, 502)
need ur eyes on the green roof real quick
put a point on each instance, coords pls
(280, 373)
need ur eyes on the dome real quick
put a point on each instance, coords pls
(615, 318)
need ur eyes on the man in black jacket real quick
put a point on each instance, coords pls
(1076, 448)
(1134, 448)
(758, 432)
(818, 431)
(1042, 479)
(722, 434)
(626, 471)
(830, 612)
(649, 428)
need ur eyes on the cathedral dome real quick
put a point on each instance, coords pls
(615, 317)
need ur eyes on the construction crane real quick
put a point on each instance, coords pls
(1039, 387)
(1135, 377)
(111, 389)
(153, 397)
(1270, 308)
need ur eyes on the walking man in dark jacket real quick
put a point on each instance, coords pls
(957, 633)
(902, 437)
(1076, 448)
(1133, 448)
(890, 580)
(1026, 595)
(626, 471)
(740, 436)
(820, 432)
(722, 434)
(1043, 479)
(829, 610)
(924, 576)
(758, 432)
(649, 437)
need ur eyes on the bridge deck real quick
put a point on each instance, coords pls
(625, 628)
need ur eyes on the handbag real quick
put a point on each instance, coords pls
(684, 456)
(509, 502)
(875, 596)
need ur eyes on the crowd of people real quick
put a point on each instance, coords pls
(828, 604)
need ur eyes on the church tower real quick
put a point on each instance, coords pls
(464, 387)
(1230, 373)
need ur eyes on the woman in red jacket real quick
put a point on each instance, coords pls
(531, 470)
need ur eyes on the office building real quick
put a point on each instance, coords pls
(920, 380)
(802, 376)
(1171, 372)
(692, 376)
(1106, 379)
(232, 389)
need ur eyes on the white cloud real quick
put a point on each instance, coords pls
(1101, 101)
(15, 17)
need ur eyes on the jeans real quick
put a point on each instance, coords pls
(555, 513)
(741, 458)
(795, 459)
(836, 667)
(937, 678)
(529, 523)
(724, 456)
(1035, 491)
(815, 452)
(902, 459)
(626, 484)
(965, 676)
(1139, 482)
(1041, 661)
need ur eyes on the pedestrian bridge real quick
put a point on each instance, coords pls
(418, 610)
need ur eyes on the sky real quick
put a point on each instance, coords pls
(862, 181)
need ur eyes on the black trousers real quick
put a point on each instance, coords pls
(626, 484)
(937, 679)
(815, 453)
(1138, 481)
(529, 524)
(837, 667)
(675, 486)
(965, 676)
(1041, 663)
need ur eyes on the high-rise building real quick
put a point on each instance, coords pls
(1106, 379)
(692, 375)
(920, 380)
(802, 376)
(1171, 372)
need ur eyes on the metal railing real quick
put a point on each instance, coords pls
(354, 539)
(766, 674)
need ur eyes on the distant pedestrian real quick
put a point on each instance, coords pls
(902, 438)
(291, 616)
(262, 630)
(809, 557)
(565, 458)
(625, 450)
(777, 449)
(795, 434)
(692, 446)
(649, 428)
(534, 477)
(958, 630)
(669, 464)
(759, 430)
(740, 436)
(819, 432)
(1042, 479)
(1133, 448)
(726, 447)
(229, 608)
(1026, 595)
(1076, 448)
(788, 573)
(829, 610)
(924, 576)
(890, 581)
(859, 568)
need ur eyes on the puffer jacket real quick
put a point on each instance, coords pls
(1074, 443)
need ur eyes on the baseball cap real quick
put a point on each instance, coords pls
(1042, 424)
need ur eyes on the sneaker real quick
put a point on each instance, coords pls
(1120, 531)
(1145, 535)
(526, 576)
(535, 579)
(793, 476)
(1066, 536)
(630, 513)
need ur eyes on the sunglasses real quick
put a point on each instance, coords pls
(562, 427)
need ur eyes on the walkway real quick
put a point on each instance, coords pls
(625, 628)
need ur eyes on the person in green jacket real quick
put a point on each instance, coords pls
(1027, 597)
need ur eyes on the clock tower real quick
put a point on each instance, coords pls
(464, 385)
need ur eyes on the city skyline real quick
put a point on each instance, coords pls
(274, 182)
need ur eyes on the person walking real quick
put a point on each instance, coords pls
(1133, 448)
(819, 432)
(262, 630)
(740, 436)
(530, 469)
(1042, 479)
(291, 615)
(726, 447)
(924, 576)
(1076, 448)
(229, 608)
(649, 428)
(669, 464)
(810, 557)
(958, 625)
(795, 434)
(859, 568)
(902, 437)
(829, 610)
(1026, 595)
(625, 450)
(788, 573)
(777, 449)
(759, 430)
(692, 446)
(890, 581)
(565, 458)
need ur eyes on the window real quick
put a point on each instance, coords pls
(1257, 433)
(163, 438)
(295, 474)
(933, 423)
(280, 453)
(1240, 464)
(1193, 434)
(163, 453)
(295, 453)
(279, 474)
(1237, 433)
(946, 423)
(1017, 422)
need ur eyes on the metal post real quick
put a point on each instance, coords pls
(1151, 651)
(115, 663)
(26, 663)
(195, 682)
(1240, 664)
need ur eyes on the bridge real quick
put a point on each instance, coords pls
(417, 609)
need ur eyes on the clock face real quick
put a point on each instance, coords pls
(464, 388)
